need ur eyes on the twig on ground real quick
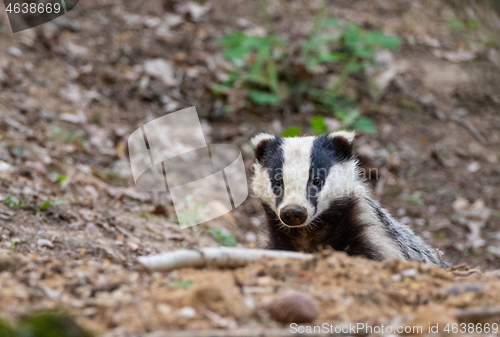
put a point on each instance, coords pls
(222, 257)
(468, 125)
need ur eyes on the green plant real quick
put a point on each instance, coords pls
(192, 213)
(293, 131)
(318, 125)
(458, 25)
(181, 284)
(45, 205)
(415, 198)
(59, 178)
(226, 240)
(67, 136)
(46, 323)
(51, 323)
(271, 73)
(12, 203)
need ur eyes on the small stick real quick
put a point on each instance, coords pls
(222, 257)
(468, 125)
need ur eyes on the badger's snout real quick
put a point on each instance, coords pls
(293, 215)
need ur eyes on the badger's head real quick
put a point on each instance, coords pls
(299, 178)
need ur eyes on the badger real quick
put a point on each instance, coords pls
(314, 197)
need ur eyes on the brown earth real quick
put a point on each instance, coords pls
(71, 91)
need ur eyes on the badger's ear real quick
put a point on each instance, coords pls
(347, 135)
(259, 142)
(343, 143)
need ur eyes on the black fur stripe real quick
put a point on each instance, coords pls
(326, 152)
(269, 154)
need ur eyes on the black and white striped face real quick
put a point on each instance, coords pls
(298, 178)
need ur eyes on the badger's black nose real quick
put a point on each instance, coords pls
(293, 215)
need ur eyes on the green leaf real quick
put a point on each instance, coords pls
(382, 40)
(237, 53)
(331, 22)
(181, 284)
(351, 35)
(318, 125)
(227, 109)
(293, 131)
(331, 57)
(364, 124)
(264, 98)
(10, 202)
(354, 67)
(456, 25)
(220, 89)
(44, 206)
(472, 24)
(272, 75)
(364, 51)
(226, 240)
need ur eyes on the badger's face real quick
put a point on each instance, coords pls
(299, 178)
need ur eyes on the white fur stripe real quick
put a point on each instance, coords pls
(376, 233)
(297, 162)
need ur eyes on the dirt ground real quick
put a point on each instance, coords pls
(72, 91)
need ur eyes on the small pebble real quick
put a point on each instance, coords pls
(15, 51)
(473, 167)
(293, 307)
(186, 312)
(410, 273)
(396, 278)
(45, 243)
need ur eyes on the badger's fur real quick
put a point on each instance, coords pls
(313, 197)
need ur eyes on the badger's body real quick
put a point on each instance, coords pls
(313, 197)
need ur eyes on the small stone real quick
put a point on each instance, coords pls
(15, 51)
(45, 243)
(473, 167)
(410, 273)
(91, 228)
(396, 278)
(250, 302)
(6, 167)
(75, 119)
(251, 237)
(419, 222)
(401, 212)
(161, 69)
(164, 309)
(47, 116)
(293, 307)
(186, 312)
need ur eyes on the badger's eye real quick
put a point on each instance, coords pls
(316, 181)
(278, 183)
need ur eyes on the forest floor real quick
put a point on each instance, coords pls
(72, 222)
